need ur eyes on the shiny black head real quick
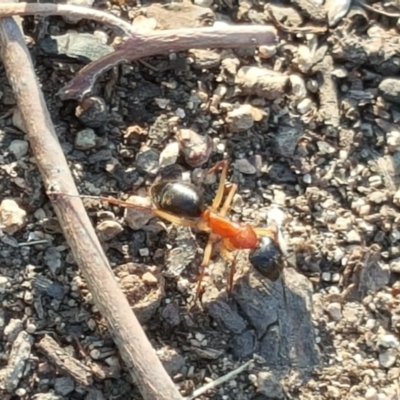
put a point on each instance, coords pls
(178, 198)
(267, 258)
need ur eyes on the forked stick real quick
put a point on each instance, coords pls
(135, 349)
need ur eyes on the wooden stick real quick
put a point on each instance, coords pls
(135, 349)
(12, 9)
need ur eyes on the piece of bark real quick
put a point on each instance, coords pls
(64, 362)
(137, 352)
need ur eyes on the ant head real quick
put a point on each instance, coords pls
(267, 258)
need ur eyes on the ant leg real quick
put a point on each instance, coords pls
(228, 200)
(221, 186)
(174, 219)
(204, 264)
(232, 266)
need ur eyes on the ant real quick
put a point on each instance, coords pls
(182, 204)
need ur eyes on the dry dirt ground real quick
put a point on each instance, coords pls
(310, 127)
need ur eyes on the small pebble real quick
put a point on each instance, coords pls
(388, 358)
(19, 148)
(149, 279)
(107, 230)
(169, 155)
(144, 252)
(326, 276)
(12, 330)
(267, 51)
(85, 139)
(64, 385)
(240, 118)
(335, 311)
(371, 394)
(244, 166)
(12, 217)
(304, 106)
(307, 179)
(92, 112)
(149, 161)
(137, 217)
(195, 148)
(353, 237)
(390, 89)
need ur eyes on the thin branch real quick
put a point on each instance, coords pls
(135, 349)
(164, 42)
(12, 9)
(219, 381)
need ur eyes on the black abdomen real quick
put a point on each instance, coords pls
(179, 198)
(267, 258)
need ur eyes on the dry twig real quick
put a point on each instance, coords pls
(217, 382)
(138, 354)
(12, 9)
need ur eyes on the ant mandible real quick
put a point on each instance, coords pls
(182, 204)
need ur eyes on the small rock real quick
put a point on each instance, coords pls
(267, 51)
(149, 279)
(371, 394)
(388, 358)
(336, 10)
(335, 311)
(269, 386)
(139, 214)
(205, 58)
(169, 155)
(92, 112)
(333, 392)
(353, 237)
(64, 385)
(52, 259)
(172, 361)
(390, 89)
(46, 286)
(243, 165)
(378, 197)
(19, 354)
(388, 340)
(242, 118)
(326, 276)
(261, 82)
(243, 344)
(325, 148)
(85, 139)
(12, 217)
(171, 314)
(195, 148)
(3, 284)
(17, 120)
(223, 312)
(108, 229)
(395, 265)
(98, 156)
(343, 224)
(307, 179)
(304, 106)
(149, 161)
(19, 148)
(13, 328)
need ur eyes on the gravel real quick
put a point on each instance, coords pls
(310, 126)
